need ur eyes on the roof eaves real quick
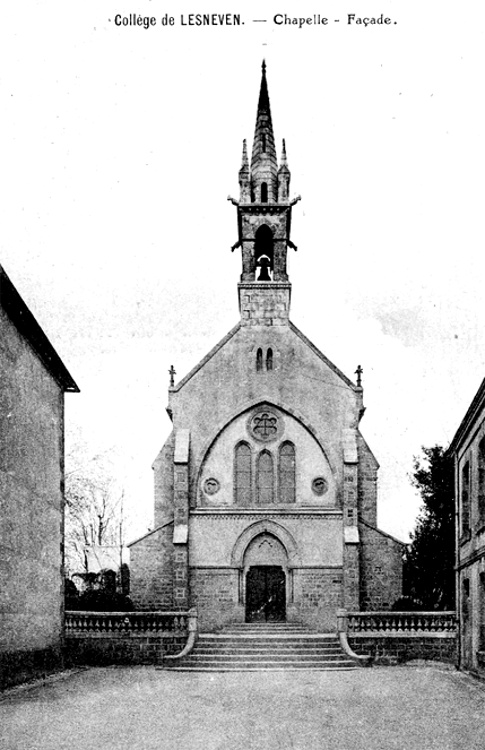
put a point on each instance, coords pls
(28, 327)
(206, 359)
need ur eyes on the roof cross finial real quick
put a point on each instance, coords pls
(172, 373)
(359, 372)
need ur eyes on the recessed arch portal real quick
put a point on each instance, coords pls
(265, 527)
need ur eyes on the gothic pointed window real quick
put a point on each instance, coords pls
(264, 192)
(269, 359)
(265, 479)
(287, 473)
(259, 360)
(242, 475)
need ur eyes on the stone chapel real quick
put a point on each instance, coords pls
(265, 491)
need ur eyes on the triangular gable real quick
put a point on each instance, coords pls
(320, 355)
(207, 357)
(382, 533)
(149, 533)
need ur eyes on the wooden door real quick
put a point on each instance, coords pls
(265, 594)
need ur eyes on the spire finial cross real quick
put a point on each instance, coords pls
(359, 372)
(172, 372)
(263, 66)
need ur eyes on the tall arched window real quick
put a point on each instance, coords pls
(259, 360)
(264, 192)
(265, 479)
(287, 473)
(465, 498)
(242, 474)
(269, 359)
(481, 482)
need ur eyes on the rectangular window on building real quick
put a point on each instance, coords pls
(465, 498)
(481, 483)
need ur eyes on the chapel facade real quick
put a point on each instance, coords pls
(266, 491)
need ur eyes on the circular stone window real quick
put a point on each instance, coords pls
(211, 486)
(264, 426)
(319, 486)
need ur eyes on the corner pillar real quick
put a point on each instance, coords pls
(181, 520)
(351, 572)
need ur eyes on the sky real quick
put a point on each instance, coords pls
(120, 146)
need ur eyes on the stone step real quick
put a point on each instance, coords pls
(280, 668)
(197, 657)
(229, 665)
(267, 647)
(264, 647)
(270, 639)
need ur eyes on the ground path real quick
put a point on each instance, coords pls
(141, 708)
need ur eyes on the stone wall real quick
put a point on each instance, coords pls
(122, 649)
(31, 513)
(381, 569)
(151, 570)
(317, 595)
(215, 593)
(395, 650)
(367, 482)
(163, 482)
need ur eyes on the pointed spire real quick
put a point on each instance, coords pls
(283, 161)
(245, 160)
(264, 164)
(283, 177)
(244, 181)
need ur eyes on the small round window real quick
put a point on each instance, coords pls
(319, 486)
(211, 486)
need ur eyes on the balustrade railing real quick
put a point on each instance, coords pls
(403, 623)
(151, 623)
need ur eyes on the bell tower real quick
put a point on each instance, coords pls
(264, 223)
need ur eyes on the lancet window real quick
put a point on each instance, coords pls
(242, 474)
(287, 473)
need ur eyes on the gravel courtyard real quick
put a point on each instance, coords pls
(143, 709)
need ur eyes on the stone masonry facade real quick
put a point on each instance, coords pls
(266, 491)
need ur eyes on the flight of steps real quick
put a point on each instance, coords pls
(264, 647)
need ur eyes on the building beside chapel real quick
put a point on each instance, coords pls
(266, 490)
(468, 450)
(32, 387)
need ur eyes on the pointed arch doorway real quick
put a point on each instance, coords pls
(265, 575)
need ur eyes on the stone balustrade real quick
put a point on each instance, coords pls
(401, 624)
(86, 624)
(396, 637)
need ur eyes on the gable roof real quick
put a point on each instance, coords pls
(27, 326)
(232, 333)
(470, 417)
(319, 354)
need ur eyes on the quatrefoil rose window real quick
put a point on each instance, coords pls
(264, 426)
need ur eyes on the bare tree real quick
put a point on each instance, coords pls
(93, 518)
